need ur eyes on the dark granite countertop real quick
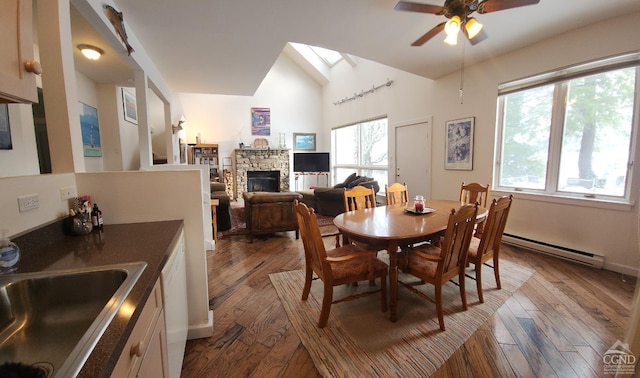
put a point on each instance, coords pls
(49, 249)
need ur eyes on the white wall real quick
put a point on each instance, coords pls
(51, 206)
(130, 197)
(294, 98)
(607, 231)
(408, 99)
(129, 136)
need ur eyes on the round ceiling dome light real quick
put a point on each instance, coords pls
(91, 52)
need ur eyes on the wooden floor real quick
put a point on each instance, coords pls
(559, 323)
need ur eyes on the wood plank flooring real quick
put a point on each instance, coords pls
(559, 324)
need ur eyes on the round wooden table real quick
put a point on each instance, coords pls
(388, 227)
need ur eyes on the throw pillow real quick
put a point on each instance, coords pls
(358, 181)
(371, 184)
(349, 179)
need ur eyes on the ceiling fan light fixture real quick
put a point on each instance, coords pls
(451, 39)
(473, 27)
(91, 52)
(451, 28)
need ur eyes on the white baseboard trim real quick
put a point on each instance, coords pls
(201, 331)
(623, 269)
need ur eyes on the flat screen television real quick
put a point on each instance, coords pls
(311, 162)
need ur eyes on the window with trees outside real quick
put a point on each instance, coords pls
(570, 133)
(361, 148)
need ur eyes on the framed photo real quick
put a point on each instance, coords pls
(90, 131)
(5, 128)
(130, 107)
(304, 141)
(459, 144)
(260, 121)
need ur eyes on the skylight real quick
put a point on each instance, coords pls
(329, 56)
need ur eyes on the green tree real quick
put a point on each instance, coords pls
(597, 107)
(527, 120)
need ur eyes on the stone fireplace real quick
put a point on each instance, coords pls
(260, 160)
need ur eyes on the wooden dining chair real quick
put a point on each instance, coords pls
(437, 265)
(474, 192)
(396, 193)
(487, 247)
(359, 197)
(344, 265)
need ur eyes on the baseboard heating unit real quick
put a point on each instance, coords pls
(582, 257)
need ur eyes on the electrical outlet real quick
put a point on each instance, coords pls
(28, 202)
(67, 192)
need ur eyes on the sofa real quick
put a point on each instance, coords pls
(270, 212)
(329, 201)
(223, 212)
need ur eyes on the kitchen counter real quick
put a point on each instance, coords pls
(49, 249)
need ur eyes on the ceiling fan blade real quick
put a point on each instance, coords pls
(428, 35)
(418, 7)
(481, 36)
(498, 5)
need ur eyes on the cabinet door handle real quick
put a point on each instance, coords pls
(136, 350)
(33, 67)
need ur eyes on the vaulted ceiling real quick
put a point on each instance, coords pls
(228, 46)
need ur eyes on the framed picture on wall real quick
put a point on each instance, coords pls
(260, 121)
(459, 144)
(304, 141)
(129, 106)
(90, 131)
(5, 128)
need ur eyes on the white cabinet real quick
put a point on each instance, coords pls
(174, 290)
(145, 353)
(17, 67)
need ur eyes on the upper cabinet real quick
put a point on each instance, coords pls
(18, 68)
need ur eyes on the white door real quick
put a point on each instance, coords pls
(413, 158)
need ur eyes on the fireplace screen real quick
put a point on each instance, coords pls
(263, 181)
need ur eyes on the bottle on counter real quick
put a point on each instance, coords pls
(9, 254)
(96, 217)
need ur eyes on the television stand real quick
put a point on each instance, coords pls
(317, 174)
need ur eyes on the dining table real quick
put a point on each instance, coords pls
(393, 226)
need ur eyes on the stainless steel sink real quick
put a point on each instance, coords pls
(53, 320)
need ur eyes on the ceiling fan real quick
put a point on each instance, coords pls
(458, 12)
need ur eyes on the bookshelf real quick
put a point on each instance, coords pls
(206, 154)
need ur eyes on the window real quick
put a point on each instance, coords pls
(361, 148)
(329, 56)
(569, 133)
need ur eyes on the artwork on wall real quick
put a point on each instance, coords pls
(129, 106)
(459, 144)
(304, 141)
(260, 121)
(5, 128)
(90, 131)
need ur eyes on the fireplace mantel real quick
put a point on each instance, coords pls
(260, 159)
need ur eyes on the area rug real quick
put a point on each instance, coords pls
(360, 340)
